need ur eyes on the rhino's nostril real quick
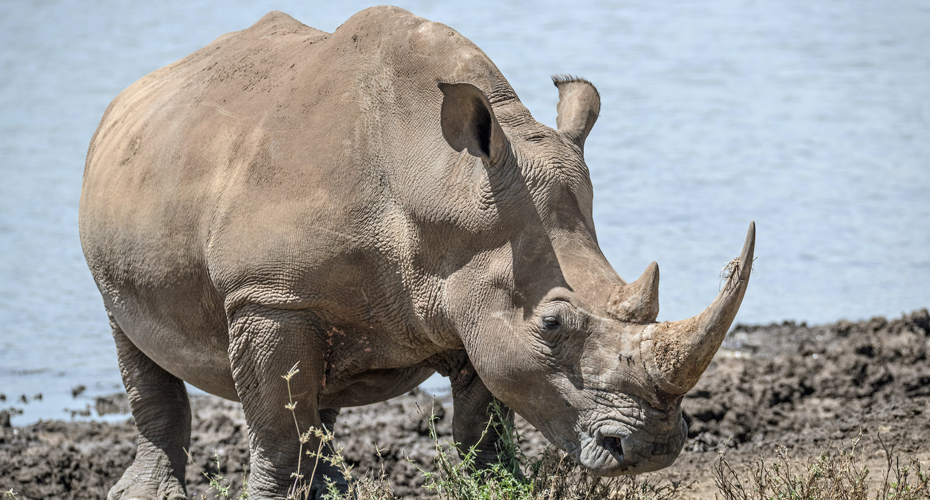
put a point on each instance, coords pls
(614, 445)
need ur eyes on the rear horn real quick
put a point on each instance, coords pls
(637, 302)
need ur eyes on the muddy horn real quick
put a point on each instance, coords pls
(680, 351)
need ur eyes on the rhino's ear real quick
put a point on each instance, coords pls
(468, 122)
(579, 105)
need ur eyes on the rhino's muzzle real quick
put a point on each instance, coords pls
(621, 450)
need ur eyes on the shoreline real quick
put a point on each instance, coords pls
(780, 386)
(82, 399)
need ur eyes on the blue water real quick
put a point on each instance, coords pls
(811, 118)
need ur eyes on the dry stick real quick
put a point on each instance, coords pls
(290, 406)
(316, 459)
(889, 460)
(552, 483)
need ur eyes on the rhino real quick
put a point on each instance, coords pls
(378, 205)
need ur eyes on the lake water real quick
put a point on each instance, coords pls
(810, 117)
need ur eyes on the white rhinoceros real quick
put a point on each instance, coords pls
(377, 204)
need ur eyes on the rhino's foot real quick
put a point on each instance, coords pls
(147, 480)
(261, 487)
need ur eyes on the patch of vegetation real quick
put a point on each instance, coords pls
(832, 475)
(550, 475)
(835, 474)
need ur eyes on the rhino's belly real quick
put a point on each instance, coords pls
(187, 344)
(373, 386)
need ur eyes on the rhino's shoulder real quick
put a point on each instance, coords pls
(423, 51)
(394, 29)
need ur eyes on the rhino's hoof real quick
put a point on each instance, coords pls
(138, 487)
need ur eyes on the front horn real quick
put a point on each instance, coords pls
(677, 353)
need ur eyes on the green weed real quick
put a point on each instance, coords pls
(217, 481)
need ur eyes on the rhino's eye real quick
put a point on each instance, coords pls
(551, 323)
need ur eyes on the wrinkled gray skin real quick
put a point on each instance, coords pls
(378, 205)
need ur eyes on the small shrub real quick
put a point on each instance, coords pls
(217, 481)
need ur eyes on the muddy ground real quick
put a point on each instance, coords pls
(781, 385)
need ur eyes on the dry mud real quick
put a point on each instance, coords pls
(781, 385)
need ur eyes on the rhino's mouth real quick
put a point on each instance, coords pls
(604, 451)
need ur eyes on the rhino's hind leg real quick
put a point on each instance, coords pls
(160, 407)
(264, 344)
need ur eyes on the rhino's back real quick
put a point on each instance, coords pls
(275, 126)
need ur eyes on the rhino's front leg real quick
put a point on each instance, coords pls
(159, 405)
(472, 410)
(264, 344)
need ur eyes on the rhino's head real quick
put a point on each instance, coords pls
(549, 326)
